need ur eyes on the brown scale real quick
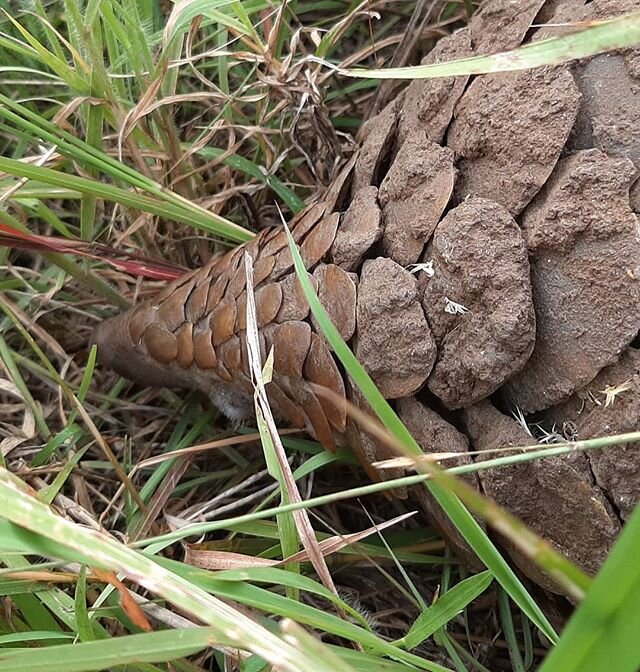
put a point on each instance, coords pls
(223, 320)
(195, 329)
(204, 353)
(184, 337)
(294, 304)
(337, 292)
(436, 176)
(161, 343)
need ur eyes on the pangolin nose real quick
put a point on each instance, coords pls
(105, 337)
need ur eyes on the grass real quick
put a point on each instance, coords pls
(174, 131)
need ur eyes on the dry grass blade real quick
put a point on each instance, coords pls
(219, 560)
(137, 112)
(263, 412)
(106, 449)
(202, 447)
(161, 496)
(128, 604)
(27, 431)
(134, 264)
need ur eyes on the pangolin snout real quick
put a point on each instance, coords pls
(117, 351)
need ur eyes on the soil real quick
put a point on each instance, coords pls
(502, 24)
(585, 265)
(479, 262)
(532, 113)
(591, 413)
(360, 229)
(413, 196)
(609, 116)
(555, 497)
(393, 340)
(377, 142)
(429, 103)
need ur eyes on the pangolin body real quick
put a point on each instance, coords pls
(483, 239)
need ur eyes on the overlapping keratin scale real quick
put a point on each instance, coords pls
(194, 330)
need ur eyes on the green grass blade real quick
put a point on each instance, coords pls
(7, 359)
(447, 607)
(603, 633)
(153, 647)
(298, 636)
(282, 577)
(33, 636)
(60, 67)
(509, 631)
(623, 31)
(83, 624)
(209, 223)
(95, 117)
(237, 162)
(185, 11)
(52, 37)
(288, 536)
(280, 605)
(90, 157)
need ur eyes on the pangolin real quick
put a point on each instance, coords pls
(482, 244)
